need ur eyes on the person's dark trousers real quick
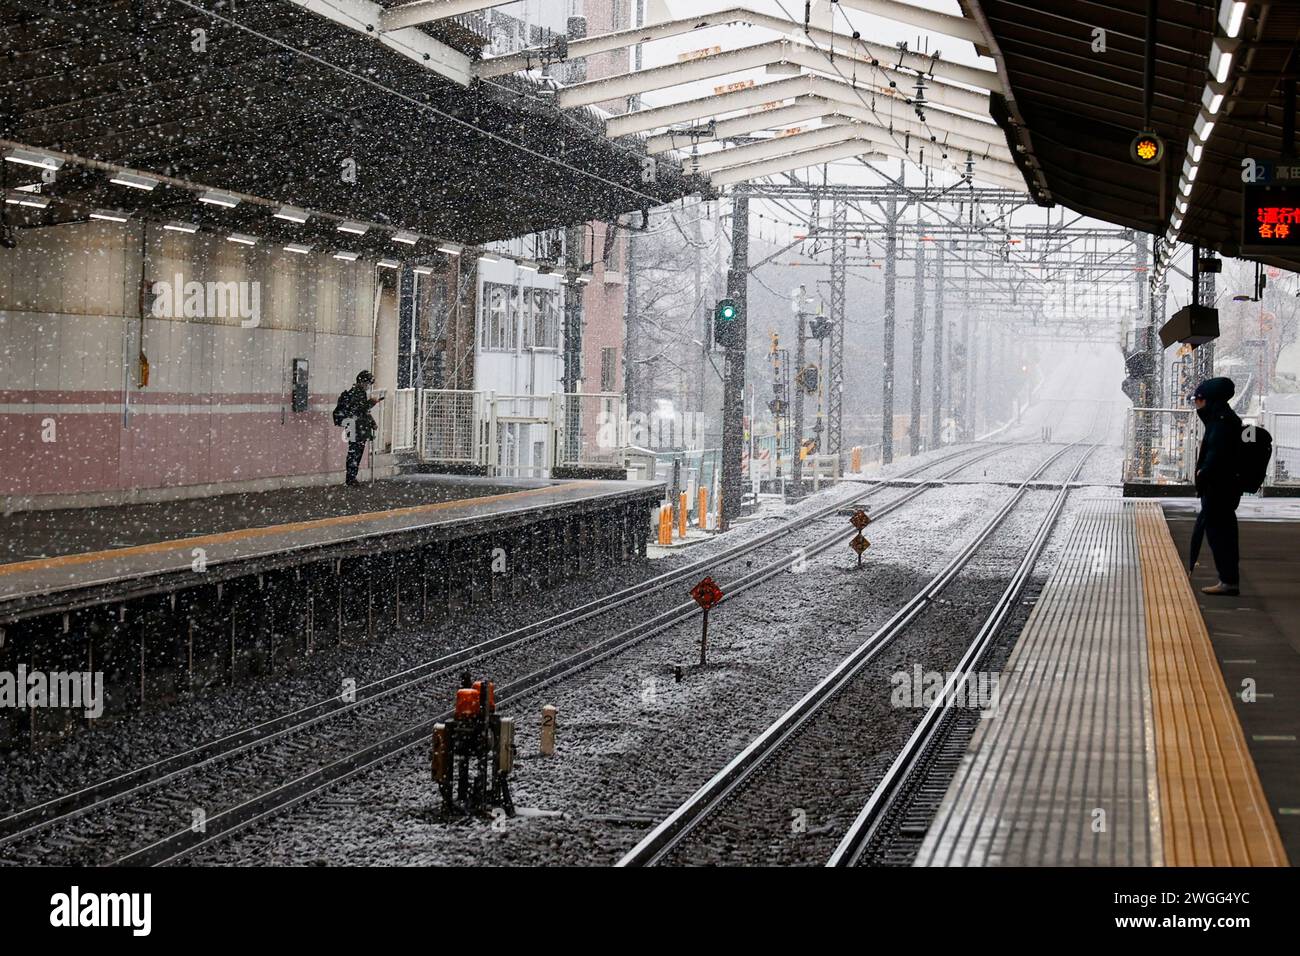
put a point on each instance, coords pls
(1219, 519)
(355, 449)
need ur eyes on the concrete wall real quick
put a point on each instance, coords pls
(80, 427)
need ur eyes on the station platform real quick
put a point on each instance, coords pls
(125, 550)
(171, 598)
(1116, 741)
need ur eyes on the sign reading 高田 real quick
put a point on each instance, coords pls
(1270, 216)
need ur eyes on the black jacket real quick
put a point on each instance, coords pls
(356, 405)
(1219, 461)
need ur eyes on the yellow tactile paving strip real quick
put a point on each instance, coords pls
(1213, 809)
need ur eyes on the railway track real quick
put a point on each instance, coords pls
(802, 772)
(105, 822)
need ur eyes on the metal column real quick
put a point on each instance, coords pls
(918, 345)
(800, 359)
(835, 384)
(733, 391)
(940, 365)
(572, 340)
(887, 377)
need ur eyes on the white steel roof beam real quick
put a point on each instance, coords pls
(428, 11)
(861, 50)
(949, 97)
(949, 141)
(803, 108)
(782, 164)
(985, 143)
(772, 148)
(415, 45)
(746, 58)
(987, 170)
(930, 20)
(714, 105)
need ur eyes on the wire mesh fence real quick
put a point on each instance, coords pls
(1285, 429)
(592, 429)
(403, 416)
(450, 426)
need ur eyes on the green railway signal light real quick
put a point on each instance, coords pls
(726, 316)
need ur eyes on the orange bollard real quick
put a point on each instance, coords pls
(681, 517)
(855, 459)
(702, 509)
(665, 524)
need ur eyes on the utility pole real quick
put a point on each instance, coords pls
(918, 344)
(962, 405)
(800, 360)
(887, 379)
(1205, 351)
(835, 384)
(940, 368)
(572, 339)
(631, 326)
(988, 374)
(698, 236)
(733, 389)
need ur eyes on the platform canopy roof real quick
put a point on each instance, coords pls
(282, 101)
(884, 101)
(1071, 101)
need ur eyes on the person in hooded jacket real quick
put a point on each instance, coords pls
(1218, 481)
(354, 409)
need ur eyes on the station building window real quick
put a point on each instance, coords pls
(512, 317)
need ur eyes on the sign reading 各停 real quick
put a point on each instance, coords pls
(1270, 216)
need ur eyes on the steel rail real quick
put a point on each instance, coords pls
(29, 820)
(868, 821)
(671, 831)
(221, 825)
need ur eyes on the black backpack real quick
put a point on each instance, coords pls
(341, 409)
(1256, 450)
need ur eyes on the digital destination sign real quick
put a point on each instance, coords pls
(1270, 216)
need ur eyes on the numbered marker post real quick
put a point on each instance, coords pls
(548, 729)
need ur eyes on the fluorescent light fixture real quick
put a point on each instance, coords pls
(110, 215)
(215, 198)
(449, 248)
(527, 266)
(1212, 99)
(354, 228)
(406, 238)
(1203, 127)
(388, 263)
(1196, 150)
(1221, 53)
(1190, 170)
(584, 279)
(27, 157)
(1176, 222)
(292, 214)
(297, 247)
(135, 181)
(186, 227)
(1231, 14)
(347, 256)
(27, 199)
(242, 239)
(1181, 205)
(423, 270)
